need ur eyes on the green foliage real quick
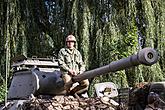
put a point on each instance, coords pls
(2, 92)
(153, 73)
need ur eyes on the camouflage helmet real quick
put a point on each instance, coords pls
(153, 97)
(70, 38)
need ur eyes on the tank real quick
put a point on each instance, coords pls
(42, 76)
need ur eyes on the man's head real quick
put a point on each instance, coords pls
(70, 41)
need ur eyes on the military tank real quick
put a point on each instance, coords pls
(42, 76)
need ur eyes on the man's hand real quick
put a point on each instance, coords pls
(72, 72)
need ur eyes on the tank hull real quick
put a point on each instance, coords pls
(25, 83)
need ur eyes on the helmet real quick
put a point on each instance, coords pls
(153, 97)
(70, 38)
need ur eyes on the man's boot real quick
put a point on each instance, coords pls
(78, 90)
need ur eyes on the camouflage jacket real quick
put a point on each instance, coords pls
(70, 60)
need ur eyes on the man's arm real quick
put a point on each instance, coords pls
(81, 64)
(61, 61)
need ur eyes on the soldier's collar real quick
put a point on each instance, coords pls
(70, 51)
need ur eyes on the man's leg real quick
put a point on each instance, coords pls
(82, 87)
(67, 82)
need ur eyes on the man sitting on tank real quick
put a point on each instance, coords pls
(71, 64)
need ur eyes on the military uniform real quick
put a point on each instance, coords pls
(72, 59)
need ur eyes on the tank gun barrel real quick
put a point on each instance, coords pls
(146, 56)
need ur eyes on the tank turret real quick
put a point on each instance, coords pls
(42, 76)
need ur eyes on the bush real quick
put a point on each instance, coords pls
(2, 92)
